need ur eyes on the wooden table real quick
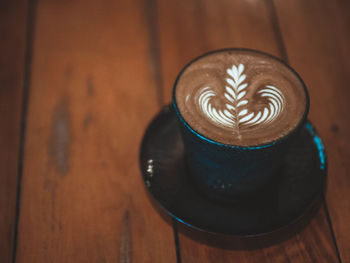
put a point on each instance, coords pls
(80, 81)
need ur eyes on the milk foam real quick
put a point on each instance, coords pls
(240, 97)
(235, 113)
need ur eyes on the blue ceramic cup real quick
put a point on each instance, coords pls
(229, 171)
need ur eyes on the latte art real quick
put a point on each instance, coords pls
(240, 97)
(235, 112)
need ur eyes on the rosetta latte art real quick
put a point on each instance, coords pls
(235, 113)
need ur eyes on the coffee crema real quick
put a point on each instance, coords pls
(240, 97)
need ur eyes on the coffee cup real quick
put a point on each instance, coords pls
(238, 110)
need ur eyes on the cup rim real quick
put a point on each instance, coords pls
(255, 146)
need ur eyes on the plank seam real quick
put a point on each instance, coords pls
(177, 242)
(156, 67)
(277, 29)
(331, 227)
(31, 14)
(154, 47)
(284, 56)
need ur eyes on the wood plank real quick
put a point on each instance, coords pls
(317, 38)
(92, 95)
(189, 28)
(13, 18)
(303, 242)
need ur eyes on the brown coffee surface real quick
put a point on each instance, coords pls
(240, 97)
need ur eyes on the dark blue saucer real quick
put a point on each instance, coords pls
(282, 202)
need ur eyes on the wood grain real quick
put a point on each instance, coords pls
(92, 95)
(303, 242)
(13, 18)
(317, 39)
(189, 28)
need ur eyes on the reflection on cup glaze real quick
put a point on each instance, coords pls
(235, 112)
